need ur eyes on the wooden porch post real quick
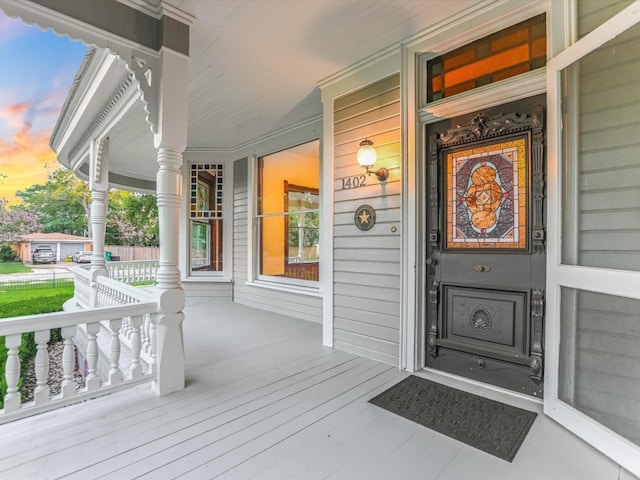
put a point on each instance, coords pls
(99, 186)
(170, 140)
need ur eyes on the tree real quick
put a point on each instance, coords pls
(135, 217)
(61, 204)
(16, 223)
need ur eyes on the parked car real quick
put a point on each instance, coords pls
(43, 254)
(82, 257)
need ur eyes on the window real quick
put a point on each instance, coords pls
(206, 202)
(510, 52)
(288, 214)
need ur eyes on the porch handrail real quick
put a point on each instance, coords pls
(105, 319)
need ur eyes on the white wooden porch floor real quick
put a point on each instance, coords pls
(266, 401)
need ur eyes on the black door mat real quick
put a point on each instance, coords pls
(487, 425)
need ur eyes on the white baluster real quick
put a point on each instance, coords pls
(153, 338)
(136, 368)
(68, 362)
(12, 373)
(144, 334)
(92, 381)
(115, 374)
(41, 394)
(126, 328)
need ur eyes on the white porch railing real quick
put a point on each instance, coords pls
(95, 322)
(142, 271)
(137, 334)
(82, 286)
(125, 272)
(116, 337)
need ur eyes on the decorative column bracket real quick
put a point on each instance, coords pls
(145, 70)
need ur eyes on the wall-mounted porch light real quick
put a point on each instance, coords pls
(367, 157)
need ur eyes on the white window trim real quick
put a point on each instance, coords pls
(600, 280)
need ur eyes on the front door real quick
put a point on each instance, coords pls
(485, 246)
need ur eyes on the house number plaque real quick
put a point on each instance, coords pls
(354, 181)
(365, 217)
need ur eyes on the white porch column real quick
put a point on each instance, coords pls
(170, 140)
(99, 186)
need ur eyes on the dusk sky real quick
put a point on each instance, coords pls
(36, 72)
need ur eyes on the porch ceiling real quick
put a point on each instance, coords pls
(255, 64)
(255, 67)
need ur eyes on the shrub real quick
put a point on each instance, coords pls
(8, 254)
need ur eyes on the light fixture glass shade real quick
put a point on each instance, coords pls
(367, 155)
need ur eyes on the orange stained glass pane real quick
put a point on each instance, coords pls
(436, 83)
(539, 47)
(488, 65)
(462, 87)
(463, 58)
(508, 41)
(511, 72)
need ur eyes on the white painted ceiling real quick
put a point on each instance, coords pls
(255, 64)
(255, 67)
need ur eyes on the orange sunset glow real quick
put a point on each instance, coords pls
(25, 157)
(36, 72)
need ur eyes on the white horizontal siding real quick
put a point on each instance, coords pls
(210, 291)
(367, 263)
(592, 13)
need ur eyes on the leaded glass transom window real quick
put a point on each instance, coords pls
(515, 50)
(206, 190)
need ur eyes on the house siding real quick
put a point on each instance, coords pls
(366, 267)
(209, 291)
(592, 14)
(302, 306)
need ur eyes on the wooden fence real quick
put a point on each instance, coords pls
(127, 254)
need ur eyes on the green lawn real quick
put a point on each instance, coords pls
(13, 267)
(16, 303)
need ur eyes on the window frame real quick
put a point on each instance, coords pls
(253, 275)
(224, 275)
